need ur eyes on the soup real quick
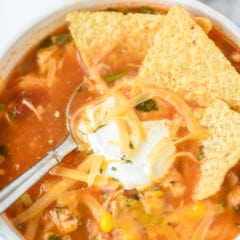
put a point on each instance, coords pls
(143, 145)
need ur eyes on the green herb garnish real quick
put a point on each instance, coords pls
(147, 106)
(105, 196)
(53, 237)
(80, 88)
(138, 196)
(83, 133)
(201, 154)
(3, 150)
(114, 168)
(115, 77)
(90, 152)
(13, 112)
(111, 10)
(2, 106)
(226, 188)
(131, 145)
(155, 188)
(237, 225)
(20, 227)
(222, 202)
(46, 42)
(129, 161)
(236, 208)
(62, 38)
(146, 10)
(99, 127)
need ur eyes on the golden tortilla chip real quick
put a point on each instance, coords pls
(221, 149)
(111, 42)
(185, 60)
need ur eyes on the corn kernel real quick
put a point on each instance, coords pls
(106, 222)
(159, 193)
(198, 209)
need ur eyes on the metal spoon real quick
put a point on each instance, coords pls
(20, 185)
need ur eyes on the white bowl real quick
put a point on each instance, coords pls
(37, 19)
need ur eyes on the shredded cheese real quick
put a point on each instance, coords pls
(95, 166)
(193, 136)
(32, 108)
(123, 136)
(184, 154)
(51, 71)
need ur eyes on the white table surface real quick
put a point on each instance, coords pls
(21, 12)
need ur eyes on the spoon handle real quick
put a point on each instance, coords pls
(14, 190)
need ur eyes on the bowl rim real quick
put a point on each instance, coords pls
(52, 18)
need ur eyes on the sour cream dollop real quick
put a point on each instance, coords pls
(138, 171)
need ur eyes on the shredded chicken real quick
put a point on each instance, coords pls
(64, 220)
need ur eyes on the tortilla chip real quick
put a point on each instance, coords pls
(221, 149)
(185, 60)
(109, 40)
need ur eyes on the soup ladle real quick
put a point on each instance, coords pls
(21, 184)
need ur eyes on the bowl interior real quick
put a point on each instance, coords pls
(48, 22)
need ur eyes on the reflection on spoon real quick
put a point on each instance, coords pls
(14, 190)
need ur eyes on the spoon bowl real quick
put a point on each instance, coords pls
(21, 184)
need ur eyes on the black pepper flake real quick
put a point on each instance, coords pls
(138, 196)
(113, 168)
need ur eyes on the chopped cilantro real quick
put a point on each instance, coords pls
(116, 76)
(236, 208)
(13, 112)
(111, 10)
(155, 188)
(99, 127)
(53, 237)
(80, 220)
(129, 161)
(80, 88)
(57, 209)
(2, 106)
(20, 227)
(90, 152)
(62, 38)
(113, 168)
(138, 196)
(237, 225)
(147, 106)
(146, 10)
(201, 154)
(83, 133)
(222, 202)
(131, 145)
(226, 189)
(46, 42)
(105, 196)
(3, 150)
